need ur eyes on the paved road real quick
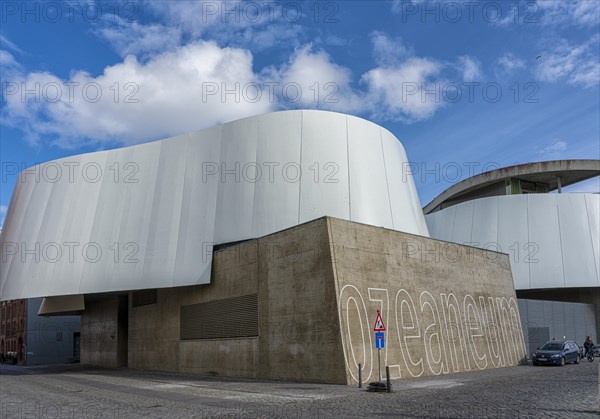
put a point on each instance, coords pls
(76, 392)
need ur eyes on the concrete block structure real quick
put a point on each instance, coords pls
(300, 305)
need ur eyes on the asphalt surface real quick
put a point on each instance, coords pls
(72, 391)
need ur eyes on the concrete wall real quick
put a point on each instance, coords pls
(154, 333)
(100, 333)
(572, 321)
(234, 274)
(319, 286)
(447, 307)
(49, 338)
(574, 295)
(298, 323)
(299, 314)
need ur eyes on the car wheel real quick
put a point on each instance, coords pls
(577, 359)
(534, 363)
(562, 361)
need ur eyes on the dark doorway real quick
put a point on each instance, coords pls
(537, 337)
(123, 332)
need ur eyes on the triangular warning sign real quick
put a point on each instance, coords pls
(379, 326)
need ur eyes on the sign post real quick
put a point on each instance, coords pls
(379, 330)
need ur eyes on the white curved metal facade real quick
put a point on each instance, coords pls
(147, 216)
(553, 240)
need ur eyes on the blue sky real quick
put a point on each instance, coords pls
(466, 86)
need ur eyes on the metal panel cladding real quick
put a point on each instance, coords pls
(552, 239)
(148, 216)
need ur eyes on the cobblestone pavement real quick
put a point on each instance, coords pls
(75, 392)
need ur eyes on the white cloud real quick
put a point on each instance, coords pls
(550, 13)
(9, 44)
(252, 25)
(169, 98)
(196, 17)
(578, 13)
(323, 83)
(470, 67)
(509, 63)
(511, 15)
(134, 38)
(397, 92)
(406, 87)
(8, 63)
(399, 88)
(7, 60)
(388, 51)
(558, 146)
(336, 41)
(255, 25)
(578, 65)
(183, 89)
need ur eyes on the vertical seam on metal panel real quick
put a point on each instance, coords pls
(387, 183)
(560, 240)
(147, 234)
(187, 155)
(8, 217)
(348, 165)
(252, 233)
(220, 186)
(413, 201)
(40, 239)
(96, 214)
(119, 216)
(564, 310)
(472, 222)
(497, 235)
(528, 238)
(498, 232)
(216, 205)
(300, 183)
(453, 223)
(27, 267)
(587, 213)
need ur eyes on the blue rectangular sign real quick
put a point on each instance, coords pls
(379, 340)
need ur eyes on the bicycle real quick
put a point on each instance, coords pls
(589, 355)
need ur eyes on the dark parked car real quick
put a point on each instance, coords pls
(596, 349)
(557, 352)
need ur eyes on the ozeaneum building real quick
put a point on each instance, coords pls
(259, 248)
(552, 239)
